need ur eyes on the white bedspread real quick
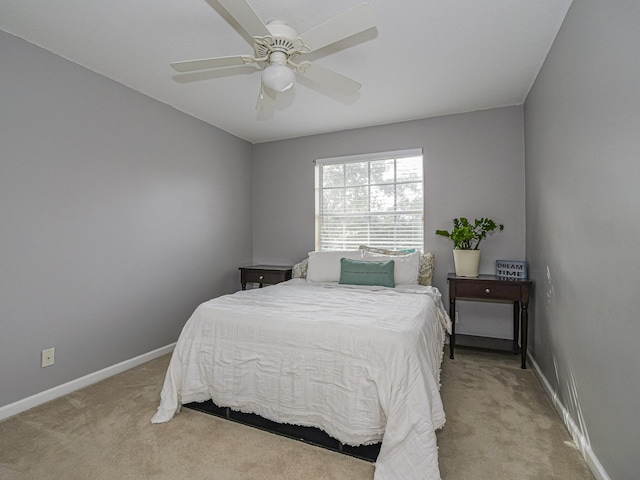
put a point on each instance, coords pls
(361, 363)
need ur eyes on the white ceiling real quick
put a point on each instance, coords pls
(425, 58)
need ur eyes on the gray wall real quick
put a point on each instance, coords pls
(474, 166)
(582, 126)
(113, 219)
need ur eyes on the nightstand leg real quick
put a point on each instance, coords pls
(524, 316)
(516, 325)
(452, 316)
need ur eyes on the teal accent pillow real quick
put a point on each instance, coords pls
(360, 272)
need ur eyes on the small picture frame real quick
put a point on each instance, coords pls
(511, 269)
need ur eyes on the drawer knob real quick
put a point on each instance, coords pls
(487, 290)
(261, 277)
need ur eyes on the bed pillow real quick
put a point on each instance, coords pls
(425, 270)
(325, 266)
(427, 264)
(385, 251)
(361, 272)
(406, 265)
(300, 269)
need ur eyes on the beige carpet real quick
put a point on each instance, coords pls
(499, 426)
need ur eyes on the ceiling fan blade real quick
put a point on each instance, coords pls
(329, 78)
(248, 19)
(209, 63)
(356, 20)
(266, 100)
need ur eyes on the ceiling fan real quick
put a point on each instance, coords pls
(277, 47)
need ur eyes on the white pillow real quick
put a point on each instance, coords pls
(406, 267)
(325, 266)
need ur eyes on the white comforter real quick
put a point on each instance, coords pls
(361, 363)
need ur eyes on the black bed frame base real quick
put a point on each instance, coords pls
(310, 435)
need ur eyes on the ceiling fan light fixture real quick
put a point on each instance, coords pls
(277, 76)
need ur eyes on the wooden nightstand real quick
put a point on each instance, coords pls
(492, 289)
(264, 274)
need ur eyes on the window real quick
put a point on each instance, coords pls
(373, 199)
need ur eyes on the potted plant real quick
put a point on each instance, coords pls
(466, 237)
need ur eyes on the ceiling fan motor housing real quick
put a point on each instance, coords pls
(283, 39)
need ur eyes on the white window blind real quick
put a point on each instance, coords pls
(373, 199)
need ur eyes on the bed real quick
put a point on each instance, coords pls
(361, 362)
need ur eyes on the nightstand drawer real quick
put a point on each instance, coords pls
(263, 276)
(490, 291)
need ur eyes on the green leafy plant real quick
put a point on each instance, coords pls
(466, 235)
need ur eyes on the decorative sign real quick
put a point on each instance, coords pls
(514, 269)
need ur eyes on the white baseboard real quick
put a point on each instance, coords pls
(580, 440)
(66, 388)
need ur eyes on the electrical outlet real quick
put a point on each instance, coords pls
(48, 357)
(457, 320)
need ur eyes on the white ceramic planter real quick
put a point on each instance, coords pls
(466, 262)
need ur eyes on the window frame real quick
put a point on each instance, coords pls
(368, 157)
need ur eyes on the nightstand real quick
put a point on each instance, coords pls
(491, 288)
(264, 274)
